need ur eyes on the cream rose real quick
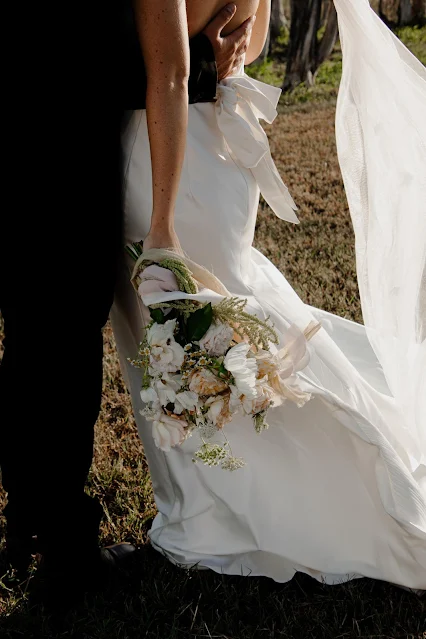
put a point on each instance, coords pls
(168, 432)
(219, 411)
(204, 382)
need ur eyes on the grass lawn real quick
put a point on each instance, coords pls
(155, 599)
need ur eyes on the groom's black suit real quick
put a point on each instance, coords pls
(60, 243)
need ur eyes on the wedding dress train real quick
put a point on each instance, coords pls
(335, 489)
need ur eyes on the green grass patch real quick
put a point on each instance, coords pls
(327, 79)
(414, 39)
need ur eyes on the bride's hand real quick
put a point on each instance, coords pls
(162, 239)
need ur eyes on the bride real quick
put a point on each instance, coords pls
(335, 489)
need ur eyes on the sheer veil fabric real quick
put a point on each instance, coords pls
(381, 143)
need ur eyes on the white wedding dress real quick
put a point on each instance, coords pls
(335, 489)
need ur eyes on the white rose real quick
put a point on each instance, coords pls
(186, 400)
(243, 369)
(165, 353)
(168, 432)
(204, 382)
(217, 339)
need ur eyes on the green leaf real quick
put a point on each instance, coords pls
(222, 370)
(157, 315)
(131, 251)
(198, 323)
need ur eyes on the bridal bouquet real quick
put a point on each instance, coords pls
(204, 363)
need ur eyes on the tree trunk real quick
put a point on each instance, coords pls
(419, 11)
(389, 12)
(305, 52)
(329, 38)
(305, 20)
(405, 12)
(324, 11)
(278, 19)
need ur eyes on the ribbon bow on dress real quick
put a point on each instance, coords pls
(242, 101)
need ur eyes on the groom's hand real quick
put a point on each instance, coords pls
(229, 50)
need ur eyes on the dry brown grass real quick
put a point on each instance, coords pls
(318, 255)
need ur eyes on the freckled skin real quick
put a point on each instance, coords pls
(163, 27)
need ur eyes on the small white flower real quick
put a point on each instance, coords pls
(217, 339)
(186, 400)
(151, 412)
(149, 395)
(168, 432)
(165, 353)
(187, 347)
(233, 463)
(206, 429)
(243, 368)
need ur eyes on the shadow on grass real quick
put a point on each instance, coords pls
(158, 600)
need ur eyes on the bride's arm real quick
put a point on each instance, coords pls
(163, 35)
(259, 32)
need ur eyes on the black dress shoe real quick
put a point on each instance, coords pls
(61, 583)
(117, 556)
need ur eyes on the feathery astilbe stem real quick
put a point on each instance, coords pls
(231, 311)
(182, 273)
(186, 307)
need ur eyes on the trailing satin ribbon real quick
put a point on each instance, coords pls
(241, 102)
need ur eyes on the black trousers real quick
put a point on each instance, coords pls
(60, 243)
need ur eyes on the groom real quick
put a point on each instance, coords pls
(60, 244)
